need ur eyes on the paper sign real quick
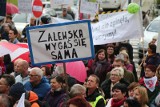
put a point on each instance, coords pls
(25, 6)
(63, 3)
(63, 42)
(117, 28)
(88, 7)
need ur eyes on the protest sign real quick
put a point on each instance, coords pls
(117, 28)
(63, 42)
(88, 7)
(25, 6)
(63, 3)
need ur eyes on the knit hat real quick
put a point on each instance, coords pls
(152, 67)
(17, 90)
(45, 19)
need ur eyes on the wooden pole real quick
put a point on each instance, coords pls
(66, 77)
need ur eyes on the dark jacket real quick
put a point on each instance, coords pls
(9, 66)
(41, 89)
(101, 73)
(56, 98)
(93, 96)
(106, 87)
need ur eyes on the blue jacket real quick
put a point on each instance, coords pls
(41, 89)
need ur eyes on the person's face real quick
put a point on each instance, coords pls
(114, 77)
(118, 64)
(91, 82)
(117, 94)
(101, 56)
(32, 21)
(44, 70)
(34, 78)
(6, 28)
(125, 104)
(3, 86)
(125, 58)
(137, 95)
(149, 73)
(55, 85)
(149, 50)
(20, 67)
(64, 12)
(110, 50)
(11, 34)
(130, 93)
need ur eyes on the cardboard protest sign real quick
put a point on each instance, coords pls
(117, 28)
(63, 42)
(25, 6)
(88, 7)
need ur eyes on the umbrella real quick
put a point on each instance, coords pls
(14, 50)
(24, 56)
(76, 69)
(11, 8)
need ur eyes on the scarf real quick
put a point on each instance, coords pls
(99, 66)
(119, 103)
(150, 83)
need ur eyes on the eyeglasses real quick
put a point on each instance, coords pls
(114, 75)
(32, 75)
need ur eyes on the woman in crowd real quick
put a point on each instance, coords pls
(100, 67)
(140, 93)
(46, 72)
(151, 83)
(110, 53)
(57, 96)
(119, 92)
(115, 77)
(127, 63)
(131, 87)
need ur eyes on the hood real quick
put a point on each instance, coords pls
(32, 97)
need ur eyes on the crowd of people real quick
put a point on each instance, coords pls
(111, 81)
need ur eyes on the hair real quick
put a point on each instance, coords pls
(119, 71)
(9, 79)
(5, 101)
(132, 102)
(77, 89)
(133, 85)
(121, 87)
(125, 54)
(119, 57)
(47, 70)
(96, 77)
(59, 79)
(9, 17)
(153, 48)
(59, 70)
(100, 51)
(14, 30)
(38, 71)
(143, 92)
(24, 64)
(151, 67)
(78, 102)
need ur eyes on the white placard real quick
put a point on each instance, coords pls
(63, 3)
(88, 7)
(158, 44)
(117, 28)
(63, 42)
(25, 6)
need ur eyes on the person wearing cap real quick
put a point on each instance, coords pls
(37, 83)
(16, 92)
(119, 62)
(151, 83)
(65, 15)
